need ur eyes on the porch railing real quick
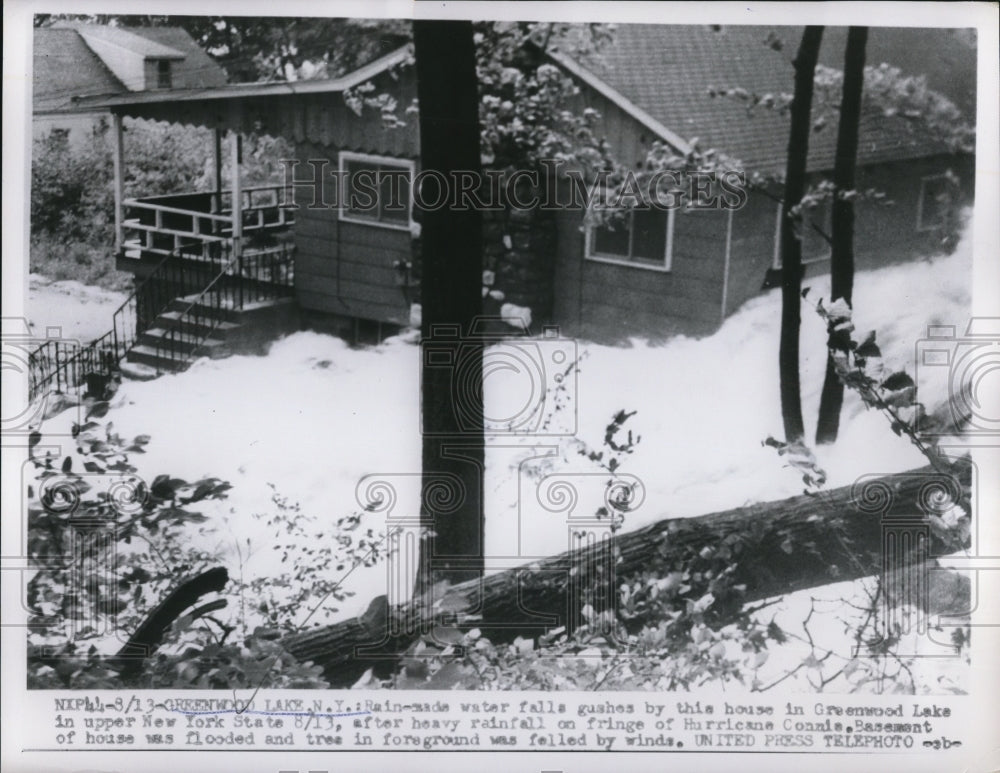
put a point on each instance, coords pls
(162, 224)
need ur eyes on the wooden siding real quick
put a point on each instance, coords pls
(884, 233)
(628, 140)
(612, 302)
(342, 267)
(320, 118)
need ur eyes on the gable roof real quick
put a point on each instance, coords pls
(65, 68)
(68, 72)
(668, 71)
(130, 41)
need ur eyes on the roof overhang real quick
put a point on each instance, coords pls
(236, 92)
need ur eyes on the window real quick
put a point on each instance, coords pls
(815, 247)
(375, 190)
(937, 194)
(163, 79)
(642, 238)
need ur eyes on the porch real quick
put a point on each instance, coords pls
(200, 224)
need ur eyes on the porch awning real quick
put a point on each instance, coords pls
(303, 111)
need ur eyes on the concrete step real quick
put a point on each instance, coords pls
(226, 309)
(183, 343)
(148, 355)
(137, 371)
(191, 325)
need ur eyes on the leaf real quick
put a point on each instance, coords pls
(67, 464)
(99, 409)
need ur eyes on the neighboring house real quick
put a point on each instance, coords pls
(681, 272)
(653, 83)
(75, 61)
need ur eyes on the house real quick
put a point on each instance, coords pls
(74, 61)
(677, 272)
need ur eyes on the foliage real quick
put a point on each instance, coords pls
(680, 624)
(72, 189)
(317, 562)
(105, 547)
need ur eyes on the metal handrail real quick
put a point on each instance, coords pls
(67, 363)
(247, 278)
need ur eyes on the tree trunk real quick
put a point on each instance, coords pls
(797, 543)
(451, 298)
(842, 257)
(791, 244)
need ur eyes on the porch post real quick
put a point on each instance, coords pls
(217, 169)
(118, 155)
(237, 193)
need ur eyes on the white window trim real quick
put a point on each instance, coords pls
(920, 202)
(346, 156)
(776, 258)
(617, 260)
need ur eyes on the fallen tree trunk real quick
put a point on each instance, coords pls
(788, 545)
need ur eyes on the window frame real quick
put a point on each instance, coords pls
(589, 253)
(776, 256)
(921, 227)
(164, 74)
(345, 157)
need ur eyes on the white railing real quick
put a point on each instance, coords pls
(162, 225)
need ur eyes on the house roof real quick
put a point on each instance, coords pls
(65, 68)
(67, 72)
(142, 45)
(668, 70)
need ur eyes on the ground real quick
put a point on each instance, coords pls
(81, 312)
(315, 416)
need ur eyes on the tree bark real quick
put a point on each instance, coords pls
(794, 548)
(451, 298)
(791, 244)
(842, 257)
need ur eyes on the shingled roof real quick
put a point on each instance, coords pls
(66, 70)
(669, 70)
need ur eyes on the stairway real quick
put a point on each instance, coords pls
(207, 325)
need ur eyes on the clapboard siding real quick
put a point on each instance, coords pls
(343, 267)
(611, 301)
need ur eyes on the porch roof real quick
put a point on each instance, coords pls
(302, 111)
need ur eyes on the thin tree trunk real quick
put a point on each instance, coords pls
(842, 257)
(791, 244)
(451, 370)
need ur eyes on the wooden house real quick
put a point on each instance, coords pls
(74, 62)
(680, 272)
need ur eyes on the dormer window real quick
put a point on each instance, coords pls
(163, 79)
